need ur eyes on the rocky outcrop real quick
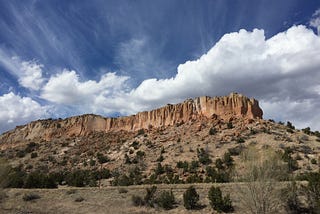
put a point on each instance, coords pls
(234, 105)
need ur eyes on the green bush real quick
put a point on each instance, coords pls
(149, 198)
(307, 130)
(122, 190)
(101, 158)
(39, 180)
(190, 198)
(212, 131)
(240, 140)
(228, 160)
(20, 154)
(229, 125)
(289, 125)
(79, 199)
(203, 156)
(137, 200)
(166, 200)
(34, 155)
(30, 196)
(219, 203)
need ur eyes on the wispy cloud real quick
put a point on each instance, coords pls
(282, 68)
(28, 73)
(141, 59)
(315, 20)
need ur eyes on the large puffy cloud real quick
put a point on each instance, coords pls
(280, 71)
(283, 72)
(66, 88)
(31, 75)
(19, 110)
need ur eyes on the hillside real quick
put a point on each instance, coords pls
(201, 140)
(194, 133)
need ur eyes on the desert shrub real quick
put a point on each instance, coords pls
(307, 130)
(235, 151)
(140, 154)
(194, 178)
(127, 159)
(313, 191)
(160, 158)
(159, 170)
(190, 198)
(313, 161)
(4, 171)
(290, 131)
(194, 165)
(203, 156)
(101, 158)
(212, 131)
(79, 199)
(34, 155)
(39, 180)
(182, 164)
(30, 196)
(213, 175)
(137, 200)
(122, 190)
(149, 198)
(291, 163)
(122, 180)
(135, 144)
(166, 200)
(31, 147)
(20, 153)
(240, 140)
(92, 162)
(292, 202)
(218, 202)
(71, 191)
(16, 178)
(316, 133)
(289, 125)
(140, 132)
(135, 176)
(81, 178)
(228, 160)
(219, 164)
(229, 125)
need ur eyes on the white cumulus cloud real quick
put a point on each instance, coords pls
(31, 75)
(28, 73)
(283, 72)
(17, 110)
(67, 89)
(283, 67)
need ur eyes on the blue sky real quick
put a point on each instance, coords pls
(63, 58)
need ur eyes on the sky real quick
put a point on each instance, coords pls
(116, 58)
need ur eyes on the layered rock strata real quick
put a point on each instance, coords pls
(226, 107)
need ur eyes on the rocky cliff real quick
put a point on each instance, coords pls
(234, 105)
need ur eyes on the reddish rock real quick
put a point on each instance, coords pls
(234, 105)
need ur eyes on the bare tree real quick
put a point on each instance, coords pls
(260, 173)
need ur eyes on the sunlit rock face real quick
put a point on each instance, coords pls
(225, 107)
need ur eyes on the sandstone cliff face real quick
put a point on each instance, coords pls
(234, 105)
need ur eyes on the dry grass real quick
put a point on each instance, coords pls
(107, 200)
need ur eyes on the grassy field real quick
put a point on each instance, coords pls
(108, 200)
